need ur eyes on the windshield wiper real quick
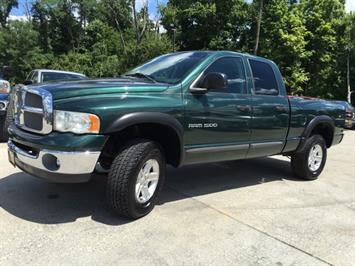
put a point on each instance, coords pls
(141, 75)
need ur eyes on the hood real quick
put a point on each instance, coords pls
(81, 88)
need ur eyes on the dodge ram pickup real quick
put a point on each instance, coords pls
(178, 109)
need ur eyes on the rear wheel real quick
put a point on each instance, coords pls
(136, 177)
(309, 162)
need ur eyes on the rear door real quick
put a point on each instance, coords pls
(270, 116)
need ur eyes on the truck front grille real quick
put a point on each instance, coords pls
(33, 100)
(33, 110)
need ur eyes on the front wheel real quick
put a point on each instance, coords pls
(137, 175)
(310, 161)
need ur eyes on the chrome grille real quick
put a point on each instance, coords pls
(33, 110)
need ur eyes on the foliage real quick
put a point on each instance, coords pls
(306, 38)
(5, 9)
(310, 40)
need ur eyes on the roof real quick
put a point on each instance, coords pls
(226, 53)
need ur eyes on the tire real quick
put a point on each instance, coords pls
(123, 177)
(300, 160)
(5, 122)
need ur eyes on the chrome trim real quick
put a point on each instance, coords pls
(47, 111)
(219, 148)
(6, 104)
(33, 110)
(265, 144)
(70, 162)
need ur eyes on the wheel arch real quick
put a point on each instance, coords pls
(160, 127)
(322, 125)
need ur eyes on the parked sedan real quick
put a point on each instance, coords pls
(46, 75)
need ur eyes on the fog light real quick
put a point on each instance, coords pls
(2, 105)
(51, 162)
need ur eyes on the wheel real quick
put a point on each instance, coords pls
(308, 163)
(136, 177)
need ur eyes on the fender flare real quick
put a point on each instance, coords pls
(136, 118)
(322, 119)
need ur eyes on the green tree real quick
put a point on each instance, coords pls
(5, 9)
(282, 39)
(19, 49)
(324, 20)
(206, 24)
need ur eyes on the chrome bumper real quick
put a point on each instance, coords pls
(56, 162)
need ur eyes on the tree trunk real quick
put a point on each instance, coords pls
(348, 77)
(348, 61)
(258, 27)
(135, 20)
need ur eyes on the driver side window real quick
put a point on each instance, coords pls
(233, 68)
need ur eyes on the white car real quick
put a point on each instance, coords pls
(46, 75)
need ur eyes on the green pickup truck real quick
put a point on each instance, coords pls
(177, 109)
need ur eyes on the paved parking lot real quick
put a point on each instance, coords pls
(250, 212)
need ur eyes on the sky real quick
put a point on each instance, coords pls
(19, 12)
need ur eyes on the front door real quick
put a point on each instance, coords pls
(218, 122)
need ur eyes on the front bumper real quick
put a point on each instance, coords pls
(56, 166)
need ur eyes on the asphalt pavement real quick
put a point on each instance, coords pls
(250, 212)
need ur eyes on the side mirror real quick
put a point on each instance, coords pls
(28, 82)
(215, 81)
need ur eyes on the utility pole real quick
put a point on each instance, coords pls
(258, 27)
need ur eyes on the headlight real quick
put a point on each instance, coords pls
(78, 123)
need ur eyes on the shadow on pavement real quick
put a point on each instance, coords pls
(41, 202)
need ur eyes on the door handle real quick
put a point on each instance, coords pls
(244, 108)
(281, 108)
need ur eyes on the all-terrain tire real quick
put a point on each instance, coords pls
(302, 165)
(121, 185)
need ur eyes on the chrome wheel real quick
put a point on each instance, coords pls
(315, 158)
(147, 181)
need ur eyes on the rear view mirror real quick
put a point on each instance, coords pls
(28, 82)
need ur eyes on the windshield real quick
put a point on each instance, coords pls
(171, 68)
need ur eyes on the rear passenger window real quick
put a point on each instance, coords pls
(233, 68)
(264, 78)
